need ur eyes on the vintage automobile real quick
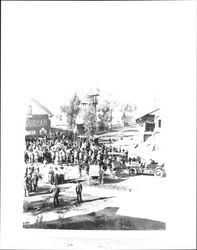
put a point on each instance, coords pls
(118, 160)
(151, 167)
(118, 155)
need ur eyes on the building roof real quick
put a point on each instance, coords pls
(141, 113)
(42, 107)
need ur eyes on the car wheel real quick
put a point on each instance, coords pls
(133, 171)
(158, 173)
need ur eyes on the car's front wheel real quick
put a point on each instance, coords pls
(133, 171)
(158, 173)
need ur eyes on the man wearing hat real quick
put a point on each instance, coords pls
(78, 190)
(56, 176)
(55, 193)
(61, 172)
(35, 181)
(27, 184)
(51, 176)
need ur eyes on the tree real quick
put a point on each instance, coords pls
(128, 108)
(90, 121)
(104, 115)
(72, 111)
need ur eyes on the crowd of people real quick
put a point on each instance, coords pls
(31, 179)
(64, 150)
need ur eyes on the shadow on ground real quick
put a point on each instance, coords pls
(46, 189)
(42, 206)
(107, 180)
(105, 219)
(113, 181)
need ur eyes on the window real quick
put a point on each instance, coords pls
(159, 123)
(149, 127)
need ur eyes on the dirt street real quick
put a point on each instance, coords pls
(129, 203)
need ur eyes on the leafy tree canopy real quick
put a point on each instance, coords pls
(72, 111)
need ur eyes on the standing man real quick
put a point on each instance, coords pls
(29, 182)
(56, 177)
(78, 190)
(26, 185)
(55, 192)
(101, 173)
(35, 181)
(51, 176)
(61, 175)
(80, 169)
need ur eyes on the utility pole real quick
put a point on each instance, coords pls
(93, 100)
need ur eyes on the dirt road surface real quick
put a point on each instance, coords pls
(131, 203)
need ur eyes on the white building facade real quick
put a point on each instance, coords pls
(149, 125)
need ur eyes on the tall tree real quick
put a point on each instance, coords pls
(128, 108)
(72, 111)
(90, 121)
(104, 115)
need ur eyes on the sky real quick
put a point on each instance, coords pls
(65, 48)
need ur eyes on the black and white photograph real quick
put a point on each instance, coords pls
(98, 125)
(94, 165)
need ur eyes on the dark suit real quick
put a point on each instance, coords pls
(56, 179)
(55, 190)
(35, 181)
(79, 191)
